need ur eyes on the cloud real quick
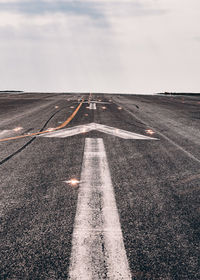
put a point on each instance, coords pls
(34, 19)
(35, 7)
(99, 45)
(95, 9)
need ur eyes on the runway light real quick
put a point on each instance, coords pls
(149, 131)
(51, 129)
(72, 107)
(16, 129)
(104, 107)
(86, 115)
(73, 182)
(119, 108)
(56, 107)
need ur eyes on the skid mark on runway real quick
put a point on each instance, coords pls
(97, 247)
(28, 143)
(163, 135)
(65, 123)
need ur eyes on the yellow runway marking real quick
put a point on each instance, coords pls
(65, 123)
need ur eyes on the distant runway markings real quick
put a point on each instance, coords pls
(92, 106)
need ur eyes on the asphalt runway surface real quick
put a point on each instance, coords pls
(144, 220)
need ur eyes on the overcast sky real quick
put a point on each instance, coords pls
(136, 46)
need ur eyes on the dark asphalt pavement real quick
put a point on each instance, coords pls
(156, 183)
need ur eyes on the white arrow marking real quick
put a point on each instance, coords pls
(97, 102)
(93, 106)
(99, 127)
(5, 133)
(97, 246)
(8, 133)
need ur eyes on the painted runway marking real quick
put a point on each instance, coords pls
(5, 133)
(97, 102)
(99, 127)
(9, 132)
(93, 106)
(97, 246)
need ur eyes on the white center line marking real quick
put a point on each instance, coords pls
(97, 246)
(92, 106)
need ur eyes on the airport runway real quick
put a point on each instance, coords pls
(109, 190)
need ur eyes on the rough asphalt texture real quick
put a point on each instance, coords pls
(156, 183)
